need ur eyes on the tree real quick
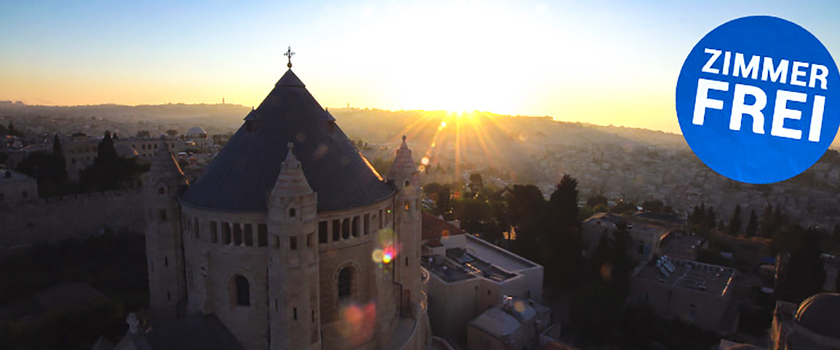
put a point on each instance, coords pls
(752, 225)
(654, 206)
(766, 222)
(623, 207)
(594, 201)
(476, 184)
(595, 311)
(59, 171)
(143, 134)
(804, 274)
(611, 262)
(441, 195)
(172, 132)
(106, 153)
(710, 220)
(735, 221)
(110, 171)
(780, 218)
(698, 215)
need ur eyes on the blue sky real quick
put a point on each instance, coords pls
(605, 62)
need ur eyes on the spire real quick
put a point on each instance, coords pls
(291, 180)
(163, 162)
(403, 163)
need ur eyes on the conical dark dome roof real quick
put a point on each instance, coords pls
(244, 172)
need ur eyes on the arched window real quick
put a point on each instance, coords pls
(243, 290)
(292, 212)
(345, 281)
(161, 190)
(407, 183)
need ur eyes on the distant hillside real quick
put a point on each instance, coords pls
(227, 114)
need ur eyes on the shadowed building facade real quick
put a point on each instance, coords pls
(290, 237)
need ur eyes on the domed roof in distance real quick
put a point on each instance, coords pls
(821, 314)
(241, 176)
(196, 130)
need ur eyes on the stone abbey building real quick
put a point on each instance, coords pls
(290, 237)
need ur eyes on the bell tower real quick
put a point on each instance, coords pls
(407, 225)
(164, 253)
(293, 270)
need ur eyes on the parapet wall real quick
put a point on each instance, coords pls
(50, 219)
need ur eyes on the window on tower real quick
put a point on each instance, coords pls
(322, 232)
(345, 282)
(243, 290)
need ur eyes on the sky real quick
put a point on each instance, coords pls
(602, 62)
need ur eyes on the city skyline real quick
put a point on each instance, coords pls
(602, 63)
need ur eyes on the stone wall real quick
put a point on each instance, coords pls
(50, 219)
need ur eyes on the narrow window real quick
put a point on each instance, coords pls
(225, 233)
(406, 261)
(336, 230)
(310, 240)
(262, 235)
(406, 206)
(294, 313)
(214, 233)
(237, 234)
(367, 224)
(275, 241)
(345, 281)
(165, 261)
(162, 215)
(355, 226)
(249, 235)
(345, 228)
(275, 306)
(293, 243)
(322, 232)
(196, 228)
(168, 296)
(380, 220)
(161, 190)
(243, 290)
(313, 315)
(292, 212)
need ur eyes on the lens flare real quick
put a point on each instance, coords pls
(606, 272)
(357, 323)
(424, 161)
(377, 255)
(519, 306)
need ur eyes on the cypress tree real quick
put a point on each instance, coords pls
(752, 225)
(735, 221)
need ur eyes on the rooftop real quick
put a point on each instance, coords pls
(246, 169)
(497, 256)
(711, 279)
(681, 245)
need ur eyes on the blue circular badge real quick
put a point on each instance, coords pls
(758, 99)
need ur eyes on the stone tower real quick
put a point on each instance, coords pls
(163, 184)
(293, 276)
(406, 180)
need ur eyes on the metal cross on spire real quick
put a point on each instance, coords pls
(289, 54)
